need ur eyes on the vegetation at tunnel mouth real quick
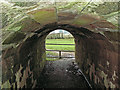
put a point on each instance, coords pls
(58, 47)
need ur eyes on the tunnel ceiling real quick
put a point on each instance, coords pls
(24, 18)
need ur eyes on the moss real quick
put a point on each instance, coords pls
(106, 81)
(30, 25)
(44, 16)
(111, 85)
(14, 85)
(44, 56)
(42, 65)
(67, 6)
(11, 70)
(83, 20)
(14, 28)
(52, 59)
(25, 24)
(6, 85)
(18, 75)
(17, 24)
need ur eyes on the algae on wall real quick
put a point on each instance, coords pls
(16, 11)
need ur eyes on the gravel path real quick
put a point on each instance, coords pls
(62, 73)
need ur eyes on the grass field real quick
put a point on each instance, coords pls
(60, 47)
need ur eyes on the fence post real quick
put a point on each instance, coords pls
(60, 55)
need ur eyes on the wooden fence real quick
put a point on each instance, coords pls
(60, 51)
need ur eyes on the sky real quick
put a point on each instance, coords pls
(58, 31)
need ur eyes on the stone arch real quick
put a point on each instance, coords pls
(96, 52)
(87, 51)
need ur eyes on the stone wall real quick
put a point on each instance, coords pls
(98, 59)
(21, 65)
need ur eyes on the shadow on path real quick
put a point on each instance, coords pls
(62, 73)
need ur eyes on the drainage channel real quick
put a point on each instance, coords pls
(79, 71)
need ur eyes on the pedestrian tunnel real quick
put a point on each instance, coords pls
(24, 53)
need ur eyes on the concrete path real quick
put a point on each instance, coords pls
(62, 73)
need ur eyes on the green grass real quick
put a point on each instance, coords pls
(60, 41)
(52, 59)
(60, 47)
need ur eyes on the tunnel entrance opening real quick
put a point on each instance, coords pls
(60, 44)
(83, 42)
(61, 69)
(65, 71)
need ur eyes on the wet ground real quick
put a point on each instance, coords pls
(63, 73)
